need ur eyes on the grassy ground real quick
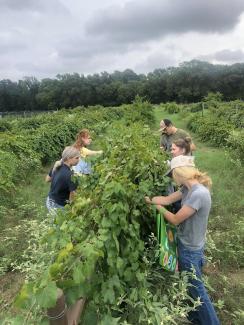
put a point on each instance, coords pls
(28, 204)
(226, 226)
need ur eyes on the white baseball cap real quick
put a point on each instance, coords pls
(180, 161)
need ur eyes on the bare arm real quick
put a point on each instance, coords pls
(48, 178)
(164, 200)
(71, 196)
(184, 213)
(94, 152)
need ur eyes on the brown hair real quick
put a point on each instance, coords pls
(184, 144)
(84, 133)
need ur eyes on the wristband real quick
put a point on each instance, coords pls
(163, 211)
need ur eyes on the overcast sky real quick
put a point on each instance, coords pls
(42, 38)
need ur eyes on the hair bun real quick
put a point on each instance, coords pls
(188, 139)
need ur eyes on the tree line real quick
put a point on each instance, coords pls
(188, 83)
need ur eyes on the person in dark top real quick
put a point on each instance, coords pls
(62, 187)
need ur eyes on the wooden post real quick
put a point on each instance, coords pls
(61, 315)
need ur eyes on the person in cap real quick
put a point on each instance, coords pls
(169, 133)
(62, 187)
(192, 220)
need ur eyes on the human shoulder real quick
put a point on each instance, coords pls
(84, 152)
(182, 133)
(65, 170)
(163, 136)
(198, 196)
(198, 190)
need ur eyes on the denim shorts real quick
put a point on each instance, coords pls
(51, 204)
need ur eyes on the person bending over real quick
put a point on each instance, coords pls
(192, 220)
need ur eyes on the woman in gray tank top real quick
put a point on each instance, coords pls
(192, 221)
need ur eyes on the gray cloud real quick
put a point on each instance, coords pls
(46, 37)
(11, 46)
(224, 56)
(230, 55)
(146, 20)
(39, 6)
(85, 48)
(157, 60)
(15, 5)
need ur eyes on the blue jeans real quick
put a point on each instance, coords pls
(188, 259)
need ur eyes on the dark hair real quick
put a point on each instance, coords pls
(184, 144)
(167, 122)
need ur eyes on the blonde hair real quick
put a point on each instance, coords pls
(69, 152)
(191, 173)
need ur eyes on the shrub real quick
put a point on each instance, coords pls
(211, 129)
(236, 142)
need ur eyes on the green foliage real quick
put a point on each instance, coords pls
(42, 138)
(98, 243)
(222, 125)
(101, 247)
(16, 160)
(213, 97)
(188, 83)
(210, 129)
(172, 108)
(139, 111)
(19, 254)
(8, 172)
(236, 142)
(5, 125)
(197, 107)
(231, 251)
(233, 112)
